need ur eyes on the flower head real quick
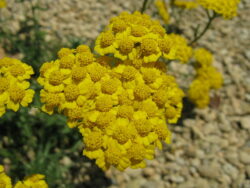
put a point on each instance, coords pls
(33, 181)
(5, 180)
(137, 37)
(3, 3)
(199, 93)
(207, 78)
(203, 57)
(14, 90)
(163, 11)
(122, 104)
(127, 114)
(186, 4)
(227, 8)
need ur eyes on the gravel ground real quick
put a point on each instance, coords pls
(211, 147)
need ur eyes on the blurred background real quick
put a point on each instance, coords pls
(210, 147)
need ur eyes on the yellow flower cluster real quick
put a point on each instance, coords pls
(5, 181)
(130, 116)
(3, 3)
(136, 36)
(70, 83)
(34, 181)
(121, 108)
(207, 78)
(14, 85)
(227, 8)
(185, 4)
(163, 10)
(180, 49)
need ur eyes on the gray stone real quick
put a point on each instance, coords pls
(190, 151)
(209, 171)
(240, 180)
(134, 173)
(136, 183)
(224, 123)
(210, 128)
(232, 157)
(230, 170)
(189, 122)
(200, 154)
(173, 167)
(148, 172)
(225, 179)
(246, 184)
(247, 54)
(176, 178)
(248, 171)
(245, 122)
(201, 183)
(151, 184)
(245, 156)
(66, 161)
(195, 162)
(195, 183)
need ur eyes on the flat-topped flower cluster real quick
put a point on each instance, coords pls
(120, 104)
(121, 99)
(137, 36)
(2, 3)
(119, 109)
(33, 181)
(207, 78)
(226, 8)
(14, 87)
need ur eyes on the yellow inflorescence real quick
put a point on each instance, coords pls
(207, 78)
(14, 86)
(203, 57)
(163, 10)
(186, 4)
(119, 108)
(33, 181)
(179, 48)
(5, 181)
(3, 3)
(227, 8)
(68, 84)
(139, 38)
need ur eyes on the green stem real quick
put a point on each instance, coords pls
(144, 6)
(210, 20)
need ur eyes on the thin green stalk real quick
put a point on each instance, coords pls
(144, 6)
(210, 20)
